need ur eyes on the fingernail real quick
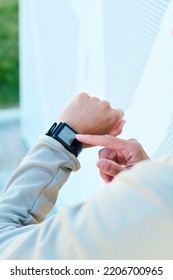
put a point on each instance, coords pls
(80, 135)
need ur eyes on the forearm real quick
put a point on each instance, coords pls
(32, 190)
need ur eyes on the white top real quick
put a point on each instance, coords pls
(131, 218)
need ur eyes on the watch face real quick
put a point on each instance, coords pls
(67, 135)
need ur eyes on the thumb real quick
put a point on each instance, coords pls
(109, 167)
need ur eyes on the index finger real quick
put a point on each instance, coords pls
(106, 141)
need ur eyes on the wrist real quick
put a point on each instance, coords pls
(66, 135)
(75, 125)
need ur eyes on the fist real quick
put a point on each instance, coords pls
(90, 115)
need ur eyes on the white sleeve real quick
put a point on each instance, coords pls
(131, 218)
(32, 190)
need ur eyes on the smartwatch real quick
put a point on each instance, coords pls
(64, 134)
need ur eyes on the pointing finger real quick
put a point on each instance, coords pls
(107, 141)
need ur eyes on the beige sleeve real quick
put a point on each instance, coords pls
(131, 218)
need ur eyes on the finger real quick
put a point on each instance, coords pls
(107, 141)
(114, 155)
(120, 112)
(106, 177)
(109, 167)
(107, 154)
(118, 129)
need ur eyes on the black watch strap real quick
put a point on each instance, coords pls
(64, 134)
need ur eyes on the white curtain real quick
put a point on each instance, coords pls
(118, 50)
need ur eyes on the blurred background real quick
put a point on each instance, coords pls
(50, 51)
(12, 148)
(9, 58)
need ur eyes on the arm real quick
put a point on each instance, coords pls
(129, 219)
(32, 190)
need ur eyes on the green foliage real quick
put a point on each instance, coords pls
(9, 64)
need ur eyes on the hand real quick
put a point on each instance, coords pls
(117, 155)
(89, 115)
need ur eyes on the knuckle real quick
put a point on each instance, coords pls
(102, 153)
(83, 95)
(136, 145)
(95, 99)
(108, 139)
(112, 169)
(107, 153)
(117, 114)
(106, 104)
